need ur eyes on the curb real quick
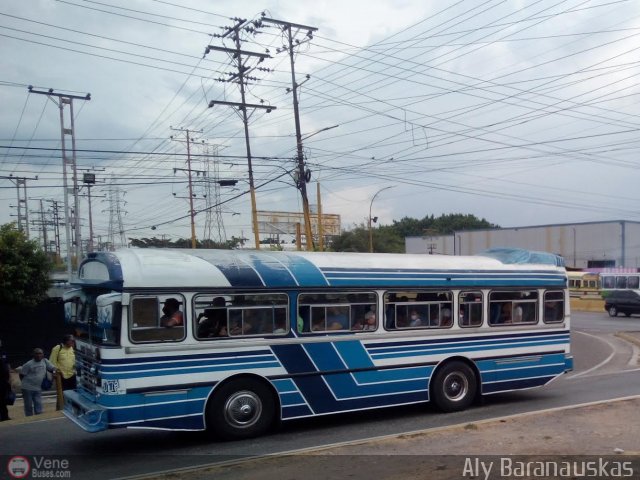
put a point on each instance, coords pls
(631, 337)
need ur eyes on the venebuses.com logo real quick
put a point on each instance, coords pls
(20, 466)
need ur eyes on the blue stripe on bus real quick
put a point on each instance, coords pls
(453, 346)
(466, 348)
(344, 387)
(171, 370)
(237, 273)
(306, 273)
(273, 273)
(175, 364)
(322, 399)
(516, 384)
(296, 411)
(444, 283)
(293, 358)
(340, 392)
(393, 375)
(293, 398)
(528, 372)
(284, 385)
(354, 354)
(165, 358)
(194, 422)
(371, 346)
(440, 278)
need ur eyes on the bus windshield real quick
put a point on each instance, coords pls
(95, 314)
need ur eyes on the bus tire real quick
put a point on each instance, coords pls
(454, 387)
(242, 408)
(613, 311)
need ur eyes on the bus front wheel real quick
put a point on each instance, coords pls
(242, 408)
(454, 387)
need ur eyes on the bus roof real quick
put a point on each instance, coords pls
(180, 268)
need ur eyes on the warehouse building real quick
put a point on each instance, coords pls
(607, 244)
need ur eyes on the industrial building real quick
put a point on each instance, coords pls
(606, 244)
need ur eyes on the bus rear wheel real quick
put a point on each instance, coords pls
(454, 387)
(242, 408)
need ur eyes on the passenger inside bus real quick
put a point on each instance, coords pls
(416, 320)
(337, 319)
(213, 321)
(445, 317)
(368, 323)
(552, 311)
(172, 315)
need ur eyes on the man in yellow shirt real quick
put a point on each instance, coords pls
(63, 357)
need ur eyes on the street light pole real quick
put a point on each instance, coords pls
(370, 206)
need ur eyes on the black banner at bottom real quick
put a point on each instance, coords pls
(321, 465)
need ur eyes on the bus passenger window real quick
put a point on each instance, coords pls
(337, 311)
(553, 306)
(146, 324)
(211, 322)
(513, 307)
(470, 309)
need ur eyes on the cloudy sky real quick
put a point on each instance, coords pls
(520, 112)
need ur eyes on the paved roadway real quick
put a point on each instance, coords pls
(605, 367)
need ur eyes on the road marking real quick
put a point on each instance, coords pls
(604, 362)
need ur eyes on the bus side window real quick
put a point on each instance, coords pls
(144, 321)
(470, 309)
(553, 306)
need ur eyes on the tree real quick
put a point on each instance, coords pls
(443, 225)
(385, 239)
(24, 269)
(184, 243)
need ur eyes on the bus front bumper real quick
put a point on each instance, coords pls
(86, 414)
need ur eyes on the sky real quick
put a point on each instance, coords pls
(520, 112)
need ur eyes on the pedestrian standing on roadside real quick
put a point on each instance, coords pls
(32, 373)
(63, 357)
(5, 384)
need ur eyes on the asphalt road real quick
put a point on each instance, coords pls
(605, 368)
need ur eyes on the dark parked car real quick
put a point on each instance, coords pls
(622, 301)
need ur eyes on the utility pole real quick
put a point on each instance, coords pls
(303, 176)
(320, 230)
(192, 212)
(241, 58)
(63, 100)
(21, 188)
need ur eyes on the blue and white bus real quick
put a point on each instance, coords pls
(269, 336)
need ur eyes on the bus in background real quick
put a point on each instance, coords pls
(584, 284)
(622, 280)
(235, 341)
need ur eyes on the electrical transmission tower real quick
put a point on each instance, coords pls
(245, 62)
(23, 205)
(211, 193)
(116, 236)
